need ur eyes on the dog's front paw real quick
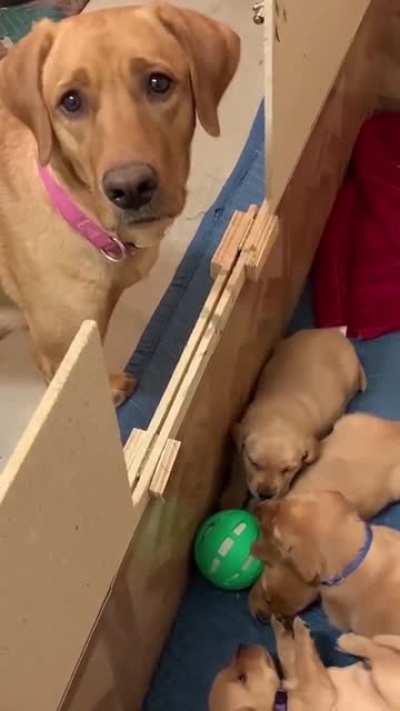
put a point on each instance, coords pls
(122, 387)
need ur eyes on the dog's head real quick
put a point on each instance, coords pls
(111, 99)
(280, 591)
(272, 456)
(249, 683)
(298, 527)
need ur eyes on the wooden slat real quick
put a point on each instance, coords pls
(65, 525)
(136, 462)
(164, 468)
(264, 241)
(196, 368)
(139, 441)
(232, 241)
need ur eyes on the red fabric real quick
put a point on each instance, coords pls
(357, 267)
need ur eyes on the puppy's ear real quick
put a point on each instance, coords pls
(301, 554)
(305, 559)
(213, 51)
(21, 84)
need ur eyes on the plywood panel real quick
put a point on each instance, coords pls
(306, 42)
(65, 523)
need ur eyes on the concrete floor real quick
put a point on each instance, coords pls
(213, 159)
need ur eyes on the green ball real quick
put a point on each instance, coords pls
(222, 550)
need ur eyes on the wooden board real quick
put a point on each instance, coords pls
(306, 43)
(65, 525)
(140, 611)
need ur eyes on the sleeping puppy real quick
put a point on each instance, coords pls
(356, 567)
(251, 682)
(97, 115)
(361, 459)
(302, 391)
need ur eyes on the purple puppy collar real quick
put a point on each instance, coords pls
(281, 701)
(355, 564)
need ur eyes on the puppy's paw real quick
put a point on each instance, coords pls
(300, 628)
(122, 387)
(351, 643)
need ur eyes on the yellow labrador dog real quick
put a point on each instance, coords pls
(251, 682)
(360, 459)
(355, 566)
(302, 391)
(97, 115)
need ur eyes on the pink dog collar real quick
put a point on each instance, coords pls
(110, 246)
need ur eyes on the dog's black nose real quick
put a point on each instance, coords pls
(130, 186)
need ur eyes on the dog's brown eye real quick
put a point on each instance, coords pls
(159, 83)
(71, 102)
(285, 470)
(242, 678)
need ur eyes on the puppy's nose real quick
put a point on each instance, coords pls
(130, 186)
(263, 493)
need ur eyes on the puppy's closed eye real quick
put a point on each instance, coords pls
(253, 463)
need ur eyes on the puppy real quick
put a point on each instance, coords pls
(97, 116)
(302, 391)
(251, 682)
(361, 459)
(356, 567)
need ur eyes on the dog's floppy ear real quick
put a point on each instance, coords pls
(213, 50)
(296, 550)
(21, 85)
(304, 558)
